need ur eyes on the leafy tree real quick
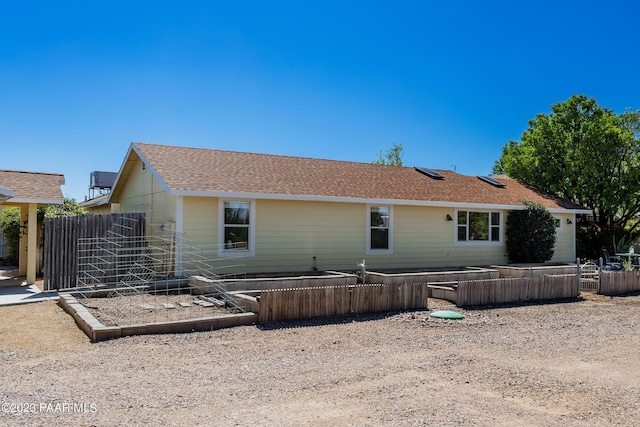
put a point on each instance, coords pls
(589, 155)
(68, 208)
(392, 156)
(531, 234)
(10, 225)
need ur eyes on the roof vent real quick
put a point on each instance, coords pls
(492, 181)
(429, 172)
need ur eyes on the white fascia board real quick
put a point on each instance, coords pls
(7, 192)
(122, 166)
(132, 148)
(93, 203)
(572, 211)
(38, 201)
(334, 199)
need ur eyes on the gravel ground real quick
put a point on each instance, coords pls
(569, 364)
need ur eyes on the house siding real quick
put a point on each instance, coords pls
(565, 240)
(424, 238)
(201, 220)
(289, 234)
(98, 210)
(144, 193)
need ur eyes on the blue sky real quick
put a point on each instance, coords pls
(450, 81)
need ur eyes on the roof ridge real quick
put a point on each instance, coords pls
(32, 172)
(273, 155)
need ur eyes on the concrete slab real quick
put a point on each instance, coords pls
(14, 289)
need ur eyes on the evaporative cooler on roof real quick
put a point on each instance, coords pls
(429, 172)
(492, 181)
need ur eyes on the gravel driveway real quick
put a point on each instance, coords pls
(564, 364)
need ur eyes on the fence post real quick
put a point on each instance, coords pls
(599, 274)
(579, 274)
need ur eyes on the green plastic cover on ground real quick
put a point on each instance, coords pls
(446, 314)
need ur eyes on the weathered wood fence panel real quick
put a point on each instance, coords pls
(329, 301)
(61, 235)
(619, 282)
(502, 291)
(302, 303)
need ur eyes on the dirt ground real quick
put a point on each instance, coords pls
(568, 363)
(130, 309)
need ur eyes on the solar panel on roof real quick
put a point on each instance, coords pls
(429, 172)
(492, 181)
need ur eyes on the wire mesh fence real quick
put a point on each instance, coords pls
(128, 279)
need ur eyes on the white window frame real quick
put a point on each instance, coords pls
(560, 220)
(479, 242)
(223, 250)
(389, 250)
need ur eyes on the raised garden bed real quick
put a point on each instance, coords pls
(289, 280)
(103, 318)
(398, 277)
(534, 270)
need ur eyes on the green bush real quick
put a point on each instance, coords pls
(10, 225)
(530, 234)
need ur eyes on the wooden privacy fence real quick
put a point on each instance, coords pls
(329, 301)
(61, 235)
(501, 291)
(619, 282)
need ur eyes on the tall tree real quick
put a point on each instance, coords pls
(587, 154)
(392, 156)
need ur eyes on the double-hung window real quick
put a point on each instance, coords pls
(478, 226)
(380, 232)
(237, 226)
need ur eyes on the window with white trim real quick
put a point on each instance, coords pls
(379, 237)
(557, 222)
(237, 226)
(478, 226)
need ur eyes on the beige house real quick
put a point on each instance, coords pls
(98, 205)
(29, 191)
(103, 183)
(283, 214)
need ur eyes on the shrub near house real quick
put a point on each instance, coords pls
(531, 234)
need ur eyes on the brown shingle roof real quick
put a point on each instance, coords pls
(200, 171)
(32, 186)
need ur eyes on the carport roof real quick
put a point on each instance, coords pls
(30, 187)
